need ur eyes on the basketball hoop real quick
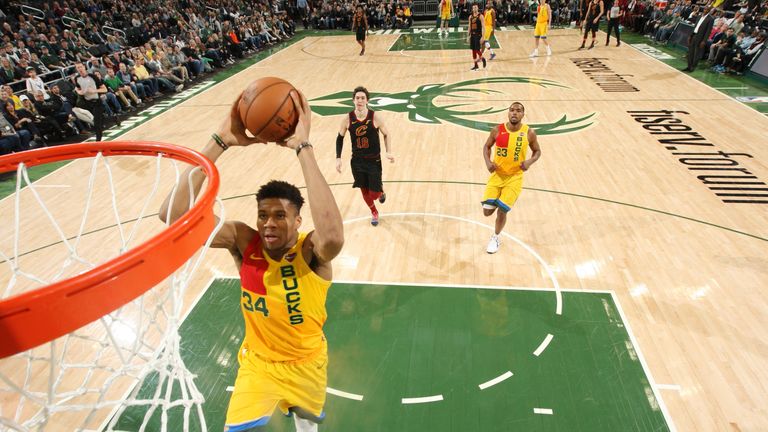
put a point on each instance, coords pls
(83, 314)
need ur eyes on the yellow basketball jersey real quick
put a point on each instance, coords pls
(446, 6)
(283, 304)
(511, 148)
(542, 15)
(488, 18)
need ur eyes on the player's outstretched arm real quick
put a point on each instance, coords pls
(328, 237)
(231, 133)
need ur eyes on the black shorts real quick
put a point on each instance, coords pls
(360, 35)
(367, 174)
(474, 42)
(591, 26)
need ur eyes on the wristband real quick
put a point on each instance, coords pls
(301, 146)
(219, 141)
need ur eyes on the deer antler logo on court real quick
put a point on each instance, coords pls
(456, 103)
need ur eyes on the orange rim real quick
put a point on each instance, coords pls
(38, 316)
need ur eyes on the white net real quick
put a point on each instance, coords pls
(125, 370)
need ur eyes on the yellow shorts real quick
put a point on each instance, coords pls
(445, 15)
(502, 191)
(540, 30)
(487, 36)
(262, 385)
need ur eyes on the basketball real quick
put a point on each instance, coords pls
(267, 110)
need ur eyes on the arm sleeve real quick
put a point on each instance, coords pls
(339, 145)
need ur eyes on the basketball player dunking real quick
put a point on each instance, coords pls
(360, 27)
(364, 130)
(475, 36)
(285, 275)
(511, 140)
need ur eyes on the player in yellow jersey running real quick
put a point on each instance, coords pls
(446, 12)
(284, 276)
(511, 141)
(543, 21)
(490, 23)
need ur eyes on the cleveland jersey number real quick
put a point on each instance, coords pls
(362, 142)
(259, 306)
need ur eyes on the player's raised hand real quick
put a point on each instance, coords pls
(232, 129)
(301, 134)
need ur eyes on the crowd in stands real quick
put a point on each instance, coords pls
(738, 34)
(337, 15)
(656, 18)
(398, 14)
(67, 67)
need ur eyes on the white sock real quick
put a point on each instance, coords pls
(303, 425)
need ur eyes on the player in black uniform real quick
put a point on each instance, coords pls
(364, 130)
(475, 36)
(360, 27)
(595, 10)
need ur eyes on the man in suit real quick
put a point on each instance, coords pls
(698, 39)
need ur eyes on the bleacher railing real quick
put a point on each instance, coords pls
(72, 22)
(112, 31)
(49, 78)
(33, 12)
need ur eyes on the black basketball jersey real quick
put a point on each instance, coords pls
(365, 137)
(359, 23)
(475, 26)
(593, 9)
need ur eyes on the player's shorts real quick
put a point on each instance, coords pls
(360, 35)
(487, 35)
(367, 173)
(474, 42)
(540, 31)
(262, 385)
(591, 26)
(445, 16)
(502, 191)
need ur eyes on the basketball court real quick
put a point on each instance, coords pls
(628, 290)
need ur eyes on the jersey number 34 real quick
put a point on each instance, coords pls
(259, 306)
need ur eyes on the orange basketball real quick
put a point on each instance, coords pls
(267, 110)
